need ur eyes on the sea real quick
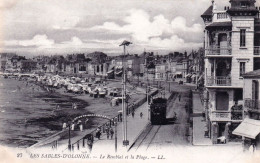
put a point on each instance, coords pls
(29, 113)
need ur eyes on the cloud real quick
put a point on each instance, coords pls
(40, 41)
(153, 31)
(179, 24)
(103, 24)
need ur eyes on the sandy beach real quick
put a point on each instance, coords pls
(41, 117)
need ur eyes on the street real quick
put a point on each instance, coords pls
(156, 137)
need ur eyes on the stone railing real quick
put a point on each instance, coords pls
(218, 81)
(217, 50)
(220, 115)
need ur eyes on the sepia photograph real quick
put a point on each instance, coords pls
(129, 81)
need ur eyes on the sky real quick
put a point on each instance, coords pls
(71, 26)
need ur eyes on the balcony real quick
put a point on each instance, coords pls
(253, 105)
(257, 50)
(237, 113)
(218, 81)
(220, 116)
(222, 15)
(218, 51)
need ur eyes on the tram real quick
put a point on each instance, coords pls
(158, 111)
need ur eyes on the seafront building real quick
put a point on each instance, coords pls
(250, 127)
(231, 49)
(147, 66)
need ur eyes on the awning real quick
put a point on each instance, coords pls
(249, 128)
(119, 72)
(188, 75)
(110, 71)
(178, 73)
(201, 76)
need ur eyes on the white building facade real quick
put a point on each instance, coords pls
(229, 53)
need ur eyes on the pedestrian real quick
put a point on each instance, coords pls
(107, 131)
(98, 134)
(111, 133)
(141, 114)
(133, 114)
(64, 125)
(179, 97)
(72, 126)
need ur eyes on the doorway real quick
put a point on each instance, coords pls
(221, 129)
(222, 69)
(222, 100)
(255, 90)
(222, 42)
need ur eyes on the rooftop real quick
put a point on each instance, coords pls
(208, 12)
(252, 74)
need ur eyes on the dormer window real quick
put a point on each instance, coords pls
(244, 4)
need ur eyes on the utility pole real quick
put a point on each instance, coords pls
(147, 92)
(69, 143)
(125, 141)
(116, 135)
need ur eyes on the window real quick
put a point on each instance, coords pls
(242, 68)
(238, 94)
(242, 38)
(244, 4)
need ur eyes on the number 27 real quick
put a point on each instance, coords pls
(19, 154)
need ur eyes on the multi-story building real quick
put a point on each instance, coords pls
(250, 127)
(231, 49)
(161, 72)
(98, 64)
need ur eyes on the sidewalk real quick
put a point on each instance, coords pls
(134, 127)
(199, 125)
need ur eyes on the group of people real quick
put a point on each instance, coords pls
(133, 114)
(109, 132)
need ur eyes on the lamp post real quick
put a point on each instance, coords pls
(115, 121)
(125, 141)
(147, 92)
(69, 143)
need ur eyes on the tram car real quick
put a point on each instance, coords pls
(158, 111)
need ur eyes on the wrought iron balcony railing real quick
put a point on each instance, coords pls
(252, 104)
(257, 50)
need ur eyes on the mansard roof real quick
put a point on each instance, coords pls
(219, 24)
(208, 12)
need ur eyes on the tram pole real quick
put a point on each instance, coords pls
(116, 135)
(125, 141)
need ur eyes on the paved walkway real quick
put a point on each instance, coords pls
(135, 126)
(199, 125)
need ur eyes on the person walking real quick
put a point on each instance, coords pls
(111, 133)
(141, 114)
(179, 97)
(107, 131)
(133, 114)
(98, 133)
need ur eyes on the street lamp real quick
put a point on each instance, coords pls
(69, 142)
(115, 121)
(125, 141)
